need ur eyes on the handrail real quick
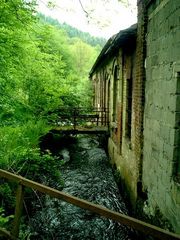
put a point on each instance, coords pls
(98, 116)
(102, 211)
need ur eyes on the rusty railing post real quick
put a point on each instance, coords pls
(18, 211)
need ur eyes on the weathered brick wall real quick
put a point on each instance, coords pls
(162, 110)
(138, 92)
(126, 151)
(120, 146)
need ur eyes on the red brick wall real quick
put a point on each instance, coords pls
(138, 92)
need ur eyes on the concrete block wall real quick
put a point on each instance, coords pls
(162, 111)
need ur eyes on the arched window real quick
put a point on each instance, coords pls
(115, 91)
(128, 107)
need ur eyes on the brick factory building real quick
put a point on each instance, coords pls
(137, 77)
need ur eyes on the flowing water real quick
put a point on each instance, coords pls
(88, 175)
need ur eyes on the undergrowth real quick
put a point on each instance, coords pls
(20, 154)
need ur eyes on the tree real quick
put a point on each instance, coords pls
(16, 17)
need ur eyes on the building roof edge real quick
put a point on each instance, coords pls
(115, 41)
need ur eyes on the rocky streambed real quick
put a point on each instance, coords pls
(86, 174)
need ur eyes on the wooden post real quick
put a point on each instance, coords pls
(18, 211)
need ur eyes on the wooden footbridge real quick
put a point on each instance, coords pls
(81, 120)
(23, 183)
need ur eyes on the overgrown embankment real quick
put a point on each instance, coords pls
(41, 70)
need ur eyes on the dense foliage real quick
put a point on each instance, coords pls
(41, 70)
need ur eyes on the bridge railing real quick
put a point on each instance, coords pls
(82, 117)
(22, 182)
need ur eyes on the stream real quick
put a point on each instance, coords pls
(87, 174)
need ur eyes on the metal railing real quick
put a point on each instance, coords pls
(102, 211)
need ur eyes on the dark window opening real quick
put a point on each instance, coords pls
(177, 132)
(129, 107)
(115, 94)
(177, 155)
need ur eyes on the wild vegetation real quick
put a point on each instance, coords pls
(42, 69)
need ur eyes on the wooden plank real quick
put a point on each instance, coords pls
(81, 130)
(18, 211)
(121, 218)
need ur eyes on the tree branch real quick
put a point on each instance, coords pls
(87, 14)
